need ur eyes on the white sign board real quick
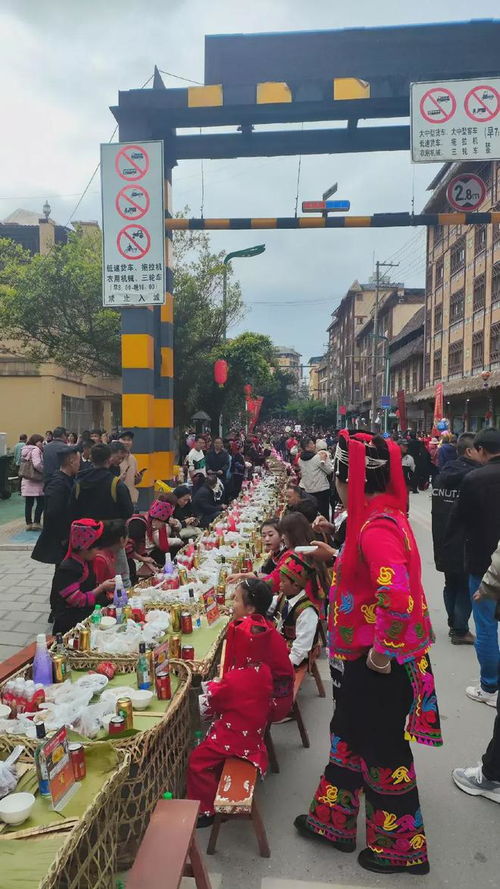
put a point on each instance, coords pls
(455, 120)
(133, 223)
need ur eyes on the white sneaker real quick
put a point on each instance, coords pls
(473, 782)
(476, 693)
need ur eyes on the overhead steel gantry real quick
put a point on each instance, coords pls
(327, 77)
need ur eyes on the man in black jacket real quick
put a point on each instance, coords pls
(97, 493)
(207, 500)
(51, 452)
(52, 544)
(218, 459)
(449, 540)
(478, 510)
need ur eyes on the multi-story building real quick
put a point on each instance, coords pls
(289, 361)
(323, 376)
(313, 365)
(406, 367)
(397, 305)
(343, 360)
(37, 397)
(462, 319)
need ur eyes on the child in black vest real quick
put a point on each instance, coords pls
(295, 614)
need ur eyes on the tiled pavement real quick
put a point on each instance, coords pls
(24, 598)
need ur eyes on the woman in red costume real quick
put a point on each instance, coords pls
(256, 688)
(383, 686)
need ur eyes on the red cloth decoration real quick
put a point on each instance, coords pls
(248, 389)
(220, 371)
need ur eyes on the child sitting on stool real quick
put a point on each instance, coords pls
(242, 702)
(295, 615)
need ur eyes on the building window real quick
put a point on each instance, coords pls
(414, 380)
(439, 272)
(436, 365)
(438, 317)
(495, 284)
(478, 349)
(457, 256)
(455, 359)
(479, 292)
(438, 234)
(457, 306)
(360, 319)
(479, 238)
(427, 369)
(428, 322)
(495, 343)
(428, 279)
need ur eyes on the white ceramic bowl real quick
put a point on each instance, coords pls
(141, 698)
(107, 622)
(16, 807)
(4, 711)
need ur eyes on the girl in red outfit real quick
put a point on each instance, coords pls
(113, 538)
(384, 693)
(159, 515)
(245, 700)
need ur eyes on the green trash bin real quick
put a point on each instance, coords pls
(5, 491)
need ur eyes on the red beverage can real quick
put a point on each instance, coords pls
(186, 623)
(111, 611)
(187, 653)
(220, 597)
(77, 754)
(163, 687)
(117, 725)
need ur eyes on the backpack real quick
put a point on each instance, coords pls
(28, 471)
(114, 485)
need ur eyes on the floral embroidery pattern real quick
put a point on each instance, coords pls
(335, 821)
(397, 840)
(385, 576)
(390, 782)
(369, 613)
(341, 755)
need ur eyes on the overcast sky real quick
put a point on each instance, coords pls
(62, 64)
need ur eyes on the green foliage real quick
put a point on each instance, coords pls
(310, 412)
(52, 305)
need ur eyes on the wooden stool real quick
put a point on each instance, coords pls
(235, 799)
(169, 850)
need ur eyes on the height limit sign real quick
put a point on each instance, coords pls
(455, 120)
(133, 254)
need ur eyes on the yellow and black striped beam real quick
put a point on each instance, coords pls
(378, 220)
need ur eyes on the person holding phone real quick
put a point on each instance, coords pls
(130, 473)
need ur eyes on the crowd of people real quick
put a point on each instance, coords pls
(342, 551)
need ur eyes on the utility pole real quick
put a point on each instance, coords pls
(375, 337)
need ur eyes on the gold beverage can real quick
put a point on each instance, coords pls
(59, 667)
(175, 617)
(182, 575)
(127, 612)
(124, 708)
(175, 646)
(84, 639)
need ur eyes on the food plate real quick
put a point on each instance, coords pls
(305, 549)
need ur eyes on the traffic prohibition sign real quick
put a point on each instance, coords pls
(438, 105)
(132, 162)
(133, 241)
(466, 192)
(132, 202)
(482, 103)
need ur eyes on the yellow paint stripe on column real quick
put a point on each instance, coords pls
(167, 310)
(273, 93)
(163, 413)
(176, 224)
(137, 410)
(205, 96)
(350, 88)
(144, 462)
(263, 223)
(161, 465)
(451, 218)
(358, 221)
(217, 223)
(311, 222)
(167, 361)
(137, 350)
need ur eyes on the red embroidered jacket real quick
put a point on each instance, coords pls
(383, 606)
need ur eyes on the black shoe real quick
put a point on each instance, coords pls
(303, 828)
(205, 820)
(466, 639)
(370, 861)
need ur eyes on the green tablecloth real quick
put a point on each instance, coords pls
(100, 759)
(25, 870)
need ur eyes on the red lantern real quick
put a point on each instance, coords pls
(248, 389)
(220, 372)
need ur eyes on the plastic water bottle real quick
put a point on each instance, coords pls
(42, 663)
(168, 567)
(120, 598)
(95, 623)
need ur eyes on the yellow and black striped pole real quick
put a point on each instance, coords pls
(377, 220)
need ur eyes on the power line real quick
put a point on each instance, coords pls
(178, 77)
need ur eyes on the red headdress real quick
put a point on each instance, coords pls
(356, 457)
(161, 510)
(84, 533)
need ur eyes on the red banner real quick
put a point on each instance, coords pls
(253, 406)
(403, 422)
(438, 403)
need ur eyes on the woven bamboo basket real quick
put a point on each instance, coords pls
(88, 858)
(158, 763)
(89, 660)
(158, 758)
